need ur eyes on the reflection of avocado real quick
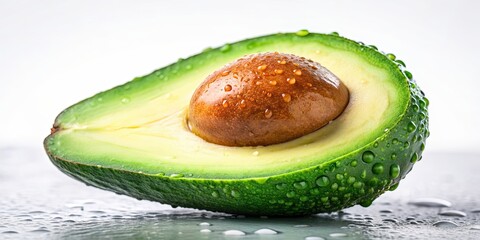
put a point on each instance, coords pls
(133, 139)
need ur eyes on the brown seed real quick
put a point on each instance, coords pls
(228, 88)
(291, 80)
(286, 97)
(283, 62)
(297, 72)
(272, 82)
(278, 71)
(268, 113)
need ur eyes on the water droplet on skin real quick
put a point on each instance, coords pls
(475, 227)
(228, 88)
(283, 62)
(354, 163)
(391, 56)
(291, 194)
(291, 80)
(334, 187)
(394, 170)
(430, 202)
(394, 156)
(265, 231)
(445, 224)
(262, 67)
(286, 97)
(234, 233)
(452, 213)
(205, 231)
(243, 103)
(235, 194)
(339, 177)
(176, 175)
(269, 94)
(368, 156)
(204, 224)
(255, 153)
(414, 158)
(281, 186)
(225, 73)
(272, 82)
(300, 185)
(408, 74)
(215, 194)
(322, 181)
(377, 168)
(297, 72)
(358, 185)
(302, 33)
(334, 34)
(225, 48)
(225, 103)
(278, 71)
(268, 113)
(314, 238)
(411, 127)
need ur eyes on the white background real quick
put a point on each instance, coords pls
(55, 53)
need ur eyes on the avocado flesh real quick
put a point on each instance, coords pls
(133, 139)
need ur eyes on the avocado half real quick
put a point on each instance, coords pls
(133, 139)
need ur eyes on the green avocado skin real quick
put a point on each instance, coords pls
(356, 178)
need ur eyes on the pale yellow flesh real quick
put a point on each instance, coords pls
(153, 132)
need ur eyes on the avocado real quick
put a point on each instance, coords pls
(134, 140)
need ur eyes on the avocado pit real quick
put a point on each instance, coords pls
(264, 99)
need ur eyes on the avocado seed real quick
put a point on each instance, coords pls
(264, 99)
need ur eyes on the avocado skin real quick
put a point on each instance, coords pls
(355, 178)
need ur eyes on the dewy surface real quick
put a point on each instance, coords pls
(39, 202)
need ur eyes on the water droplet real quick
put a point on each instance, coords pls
(408, 74)
(351, 180)
(475, 227)
(228, 88)
(322, 181)
(377, 168)
(291, 194)
(278, 71)
(262, 67)
(225, 48)
(286, 97)
(300, 185)
(394, 156)
(314, 238)
(411, 127)
(452, 213)
(339, 177)
(272, 82)
(358, 185)
(281, 186)
(334, 187)
(297, 72)
(445, 224)
(225, 103)
(301, 226)
(204, 224)
(235, 194)
(354, 163)
(243, 103)
(176, 175)
(291, 80)
(368, 156)
(414, 158)
(338, 235)
(255, 153)
(225, 73)
(268, 113)
(302, 33)
(391, 56)
(265, 231)
(430, 202)
(205, 231)
(283, 62)
(234, 233)
(303, 198)
(394, 170)
(125, 100)
(269, 94)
